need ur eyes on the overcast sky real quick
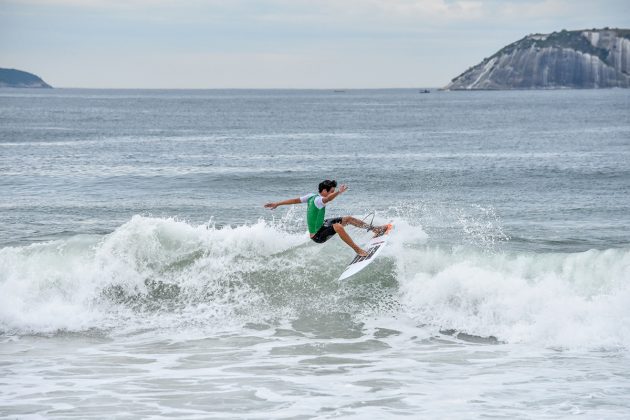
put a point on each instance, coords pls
(275, 43)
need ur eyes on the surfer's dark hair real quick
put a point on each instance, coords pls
(327, 185)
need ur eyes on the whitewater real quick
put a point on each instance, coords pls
(165, 273)
(140, 276)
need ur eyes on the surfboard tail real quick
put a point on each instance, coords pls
(373, 248)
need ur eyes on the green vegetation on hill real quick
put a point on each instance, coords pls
(18, 78)
(563, 39)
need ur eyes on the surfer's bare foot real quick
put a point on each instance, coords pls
(360, 252)
(379, 230)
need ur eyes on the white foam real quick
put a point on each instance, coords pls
(557, 300)
(154, 273)
(59, 285)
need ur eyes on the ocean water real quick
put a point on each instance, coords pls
(141, 277)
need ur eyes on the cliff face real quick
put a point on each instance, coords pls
(20, 79)
(566, 59)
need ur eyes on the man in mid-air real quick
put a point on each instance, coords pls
(322, 229)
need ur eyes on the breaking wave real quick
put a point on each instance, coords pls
(166, 273)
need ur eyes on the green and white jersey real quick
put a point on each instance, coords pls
(315, 211)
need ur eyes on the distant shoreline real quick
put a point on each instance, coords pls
(336, 91)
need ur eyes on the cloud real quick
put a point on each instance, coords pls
(535, 9)
(273, 43)
(425, 11)
(413, 15)
(100, 4)
(463, 9)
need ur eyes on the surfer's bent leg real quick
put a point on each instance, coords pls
(349, 220)
(332, 227)
(347, 239)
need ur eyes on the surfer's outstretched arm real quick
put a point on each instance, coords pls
(283, 203)
(330, 197)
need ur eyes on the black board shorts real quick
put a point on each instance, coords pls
(327, 230)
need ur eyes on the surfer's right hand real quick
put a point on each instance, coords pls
(343, 188)
(271, 206)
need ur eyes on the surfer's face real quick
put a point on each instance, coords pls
(325, 193)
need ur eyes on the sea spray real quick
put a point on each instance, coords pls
(84, 281)
(166, 273)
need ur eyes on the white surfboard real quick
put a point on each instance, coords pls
(373, 248)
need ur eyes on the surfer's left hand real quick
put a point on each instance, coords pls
(271, 206)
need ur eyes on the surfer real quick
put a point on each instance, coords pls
(321, 229)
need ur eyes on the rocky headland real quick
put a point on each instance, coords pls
(20, 79)
(592, 58)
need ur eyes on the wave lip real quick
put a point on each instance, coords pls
(160, 265)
